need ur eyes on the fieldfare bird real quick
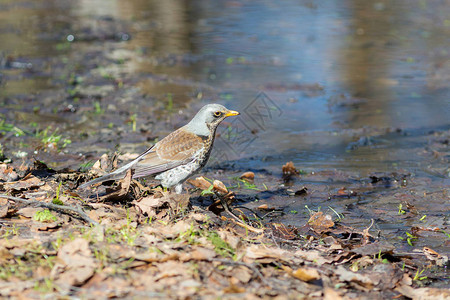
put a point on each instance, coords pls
(180, 154)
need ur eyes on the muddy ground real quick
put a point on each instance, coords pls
(362, 212)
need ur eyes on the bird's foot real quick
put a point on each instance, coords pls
(178, 188)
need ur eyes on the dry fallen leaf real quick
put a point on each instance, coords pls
(266, 255)
(77, 265)
(331, 294)
(320, 222)
(15, 288)
(289, 170)
(220, 187)
(28, 212)
(4, 206)
(159, 199)
(7, 173)
(221, 190)
(100, 167)
(342, 191)
(374, 248)
(440, 260)
(200, 182)
(29, 181)
(349, 276)
(230, 238)
(305, 274)
(249, 176)
(200, 253)
(233, 289)
(283, 231)
(149, 204)
(121, 191)
(313, 256)
(243, 274)
(171, 268)
(424, 293)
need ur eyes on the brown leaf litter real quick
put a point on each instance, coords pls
(147, 242)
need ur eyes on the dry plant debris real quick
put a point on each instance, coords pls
(135, 241)
(289, 171)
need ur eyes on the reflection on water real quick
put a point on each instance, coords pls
(388, 57)
(328, 66)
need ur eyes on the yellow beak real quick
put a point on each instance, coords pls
(231, 113)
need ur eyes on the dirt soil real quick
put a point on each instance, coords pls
(129, 240)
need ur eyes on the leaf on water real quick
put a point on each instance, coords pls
(301, 192)
(289, 170)
(320, 222)
(233, 289)
(342, 191)
(249, 176)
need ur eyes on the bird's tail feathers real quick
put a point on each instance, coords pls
(110, 176)
(117, 174)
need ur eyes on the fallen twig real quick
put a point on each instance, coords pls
(248, 227)
(226, 207)
(240, 263)
(237, 220)
(69, 210)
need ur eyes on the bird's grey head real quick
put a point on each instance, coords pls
(208, 118)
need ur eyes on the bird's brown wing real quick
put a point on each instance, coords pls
(174, 150)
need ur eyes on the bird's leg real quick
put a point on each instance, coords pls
(179, 188)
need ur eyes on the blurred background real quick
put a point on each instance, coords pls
(335, 73)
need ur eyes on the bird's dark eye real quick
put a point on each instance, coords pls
(217, 113)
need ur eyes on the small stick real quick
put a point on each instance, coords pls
(240, 263)
(237, 220)
(69, 210)
(248, 227)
